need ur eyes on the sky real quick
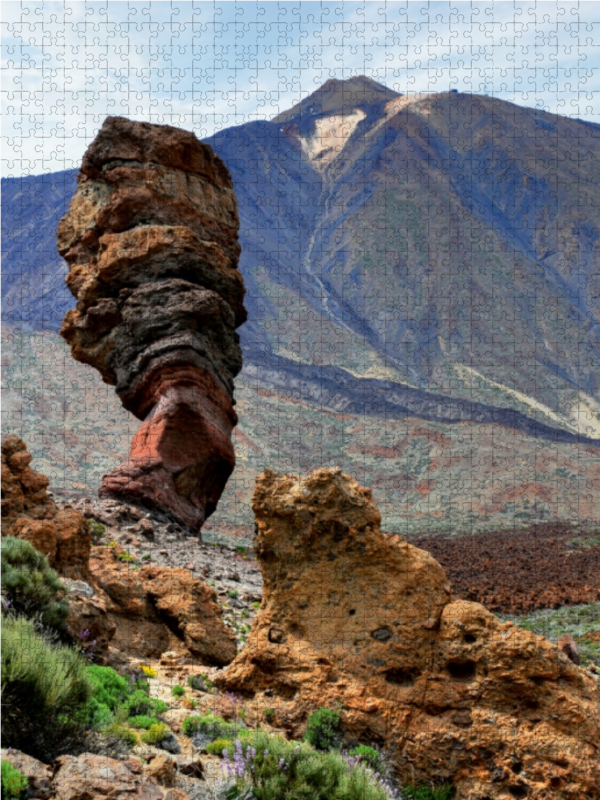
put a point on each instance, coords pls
(205, 66)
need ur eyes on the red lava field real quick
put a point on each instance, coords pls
(514, 572)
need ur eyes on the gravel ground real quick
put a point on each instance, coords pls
(151, 538)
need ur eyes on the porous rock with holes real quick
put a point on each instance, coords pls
(363, 621)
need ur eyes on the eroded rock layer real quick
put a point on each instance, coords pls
(365, 622)
(29, 512)
(151, 242)
(127, 613)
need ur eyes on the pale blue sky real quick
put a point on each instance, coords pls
(205, 66)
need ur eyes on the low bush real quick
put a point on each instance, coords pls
(121, 733)
(270, 768)
(207, 728)
(139, 703)
(207, 724)
(110, 691)
(445, 792)
(368, 756)
(30, 586)
(177, 691)
(113, 694)
(269, 714)
(97, 530)
(323, 729)
(14, 783)
(155, 733)
(217, 747)
(142, 721)
(45, 691)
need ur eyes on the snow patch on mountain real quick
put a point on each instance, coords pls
(329, 137)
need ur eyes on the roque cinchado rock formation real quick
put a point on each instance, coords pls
(365, 622)
(151, 241)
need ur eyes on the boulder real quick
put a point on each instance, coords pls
(362, 621)
(90, 777)
(157, 609)
(151, 242)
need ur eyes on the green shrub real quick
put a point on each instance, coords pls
(97, 530)
(177, 691)
(142, 721)
(155, 733)
(115, 695)
(45, 691)
(121, 733)
(139, 703)
(109, 691)
(210, 727)
(31, 587)
(368, 756)
(14, 783)
(216, 748)
(273, 768)
(323, 729)
(445, 792)
(232, 593)
(269, 714)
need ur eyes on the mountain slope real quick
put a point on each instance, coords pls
(450, 242)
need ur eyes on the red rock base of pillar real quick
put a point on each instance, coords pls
(182, 455)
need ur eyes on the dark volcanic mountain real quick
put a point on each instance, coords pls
(447, 242)
(419, 270)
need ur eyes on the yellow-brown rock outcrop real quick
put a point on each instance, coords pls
(363, 621)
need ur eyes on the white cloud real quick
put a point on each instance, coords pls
(206, 66)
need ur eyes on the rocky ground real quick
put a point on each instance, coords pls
(151, 538)
(515, 572)
(543, 567)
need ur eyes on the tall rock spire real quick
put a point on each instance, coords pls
(151, 241)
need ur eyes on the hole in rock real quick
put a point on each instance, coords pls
(276, 636)
(401, 677)
(352, 612)
(556, 782)
(518, 791)
(462, 670)
(516, 767)
(286, 692)
(470, 638)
